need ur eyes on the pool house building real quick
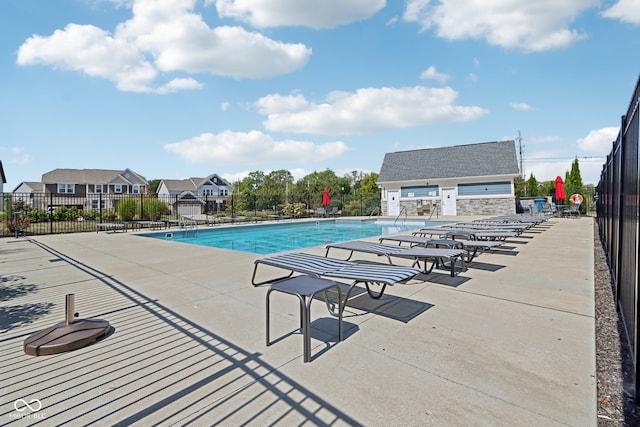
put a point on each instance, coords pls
(472, 179)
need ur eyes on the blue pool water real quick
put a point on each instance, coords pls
(266, 239)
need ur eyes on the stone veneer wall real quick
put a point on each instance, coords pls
(484, 206)
(503, 206)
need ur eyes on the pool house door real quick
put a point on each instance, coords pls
(393, 203)
(449, 201)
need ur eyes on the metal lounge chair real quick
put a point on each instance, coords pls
(417, 254)
(309, 283)
(518, 228)
(473, 247)
(468, 234)
(319, 266)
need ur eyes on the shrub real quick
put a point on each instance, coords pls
(37, 215)
(63, 213)
(109, 215)
(20, 224)
(128, 209)
(154, 209)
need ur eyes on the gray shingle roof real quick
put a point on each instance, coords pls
(90, 176)
(458, 161)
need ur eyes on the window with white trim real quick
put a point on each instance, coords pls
(419, 191)
(97, 204)
(66, 188)
(135, 189)
(484, 188)
(98, 188)
(117, 188)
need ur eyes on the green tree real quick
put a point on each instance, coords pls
(152, 186)
(519, 186)
(273, 191)
(369, 184)
(547, 188)
(532, 187)
(573, 183)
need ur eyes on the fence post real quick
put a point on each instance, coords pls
(142, 206)
(50, 211)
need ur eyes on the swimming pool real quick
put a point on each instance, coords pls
(267, 239)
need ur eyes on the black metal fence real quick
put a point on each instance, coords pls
(618, 214)
(47, 213)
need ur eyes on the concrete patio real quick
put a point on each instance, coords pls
(510, 341)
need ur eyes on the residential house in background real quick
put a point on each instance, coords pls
(194, 196)
(472, 179)
(25, 191)
(80, 188)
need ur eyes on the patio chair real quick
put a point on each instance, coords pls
(424, 254)
(473, 247)
(573, 210)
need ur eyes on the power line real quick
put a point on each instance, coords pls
(564, 159)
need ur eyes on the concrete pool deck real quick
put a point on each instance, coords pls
(511, 340)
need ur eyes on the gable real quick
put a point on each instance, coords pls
(92, 176)
(459, 161)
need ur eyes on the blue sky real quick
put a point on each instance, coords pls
(184, 88)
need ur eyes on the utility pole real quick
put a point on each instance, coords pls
(519, 138)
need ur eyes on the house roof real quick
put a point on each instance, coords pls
(179, 185)
(33, 185)
(191, 184)
(458, 161)
(90, 176)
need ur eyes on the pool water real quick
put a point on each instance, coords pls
(267, 239)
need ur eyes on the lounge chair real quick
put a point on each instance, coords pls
(468, 234)
(473, 247)
(319, 266)
(307, 285)
(113, 226)
(417, 254)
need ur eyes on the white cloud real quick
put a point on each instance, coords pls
(307, 13)
(365, 111)
(522, 106)
(176, 85)
(162, 37)
(599, 141)
(544, 139)
(624, 10)
(17, 156)
(253, 147)
(432, 73)
(519, 24)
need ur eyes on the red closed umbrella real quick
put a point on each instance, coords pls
(560, 194)
(326, 200)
